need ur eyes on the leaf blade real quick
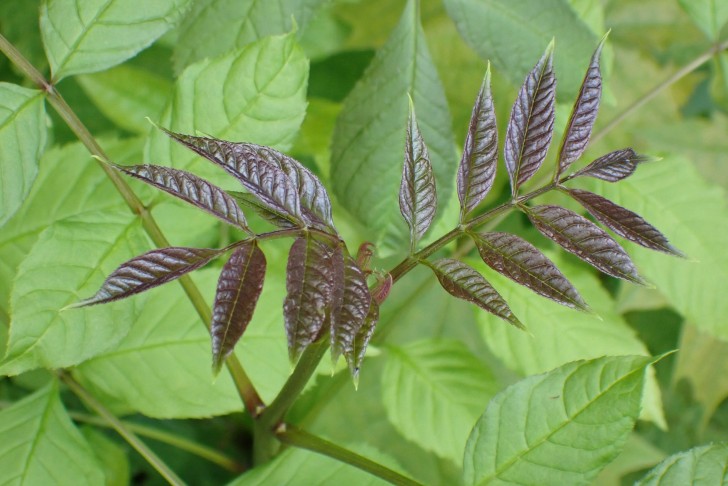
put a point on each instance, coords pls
(614, 166)
(699, 466)
(355, 306)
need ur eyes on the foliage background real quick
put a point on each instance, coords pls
(148, 360)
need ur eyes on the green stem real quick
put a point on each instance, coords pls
(121, 429)
(300, 438)
(245, 387)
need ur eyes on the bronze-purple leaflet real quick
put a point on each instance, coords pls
(353, 311)
(531, 124)
(238, 289)
(578, 235)
(613, 166)
(355, 355)
(247, 200)
(476, 172)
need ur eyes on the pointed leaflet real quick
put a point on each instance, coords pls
(520, 261)
(583, 115)
(353, 311)
(465, 283)
(417, 195)
(191, 189)
(623, 221)
(531, 125)
(699, 466)
(245, 199)
(613, 166)
(355, 355)
(238, 289)
(480, 154)
(314, 281)
(148, 271)
(584, 239)
(267, 182)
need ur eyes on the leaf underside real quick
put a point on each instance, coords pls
(238, 289)
(613, 166)
(520, 261)
(148, 271)
(353, 312)
(581, 237)
(355, 356)
(247, 200)
(531, 124)
(464, 282)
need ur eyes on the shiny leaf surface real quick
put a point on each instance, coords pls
(613, 166)
(247, 200)
(353, 311)
(355, 356)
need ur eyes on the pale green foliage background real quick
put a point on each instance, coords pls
(326, 81)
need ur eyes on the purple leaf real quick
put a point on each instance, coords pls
(531, 124)
(314, 283)
(417, 195)
(624, 222)
(150, 270)
(520, 261)
(466, 283)
(353, 311)
(476, 172)
(613, 166)
(191, 189)
(584, 239)
(238, 289)
(355, 355)
(245, 199)
(583, 115)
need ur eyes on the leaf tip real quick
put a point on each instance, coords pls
(550, 48)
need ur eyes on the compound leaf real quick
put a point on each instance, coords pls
(463, 282)
(354, 310)
(613, 166)
(531, 124)
(583, 115)
(476, 172)
(578, 235)
(238, 289)
(417, 194)
(623, 221)
(520, 261)
(700, 466)
(190, 188)
(582, 413)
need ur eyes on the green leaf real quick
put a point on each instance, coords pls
(512, 33)
(112, 457)
(561, 427)
(127, 95)
(90, 36)
(436, 391)
(23, 135)
(701, 466)
(257, 94)
(214, 27)
(709, 15)
(42, 446)
(68, 261)
(368, 138)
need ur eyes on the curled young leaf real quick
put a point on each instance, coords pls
(355, 355)
(578, 235)
(623, 221)
(464, 282)
(364, 255)
(314, 283)
(150, 270)
(520, 261)
(531, 124)
(247, 200)
(613, 166)
(191, 189)
(476, 172)
(354, 309)
(238, 289)
(583, 115)
(382, 286)
(417, 195)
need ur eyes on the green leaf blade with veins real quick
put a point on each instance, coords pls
(355, 306)
(152, 269)
(700, 466)
(520, 261)
(582, 413)
(463, 282)
(90, 36)
(190, 188)
(42, 446)
(623, 221)
(613, 166)
(478, 164)
(417, 193)
(583, 115)
(314, 282)
(531, 124)
(581, 237)
(238, 289)
(23, 134)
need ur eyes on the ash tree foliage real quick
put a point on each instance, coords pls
(301, 182)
